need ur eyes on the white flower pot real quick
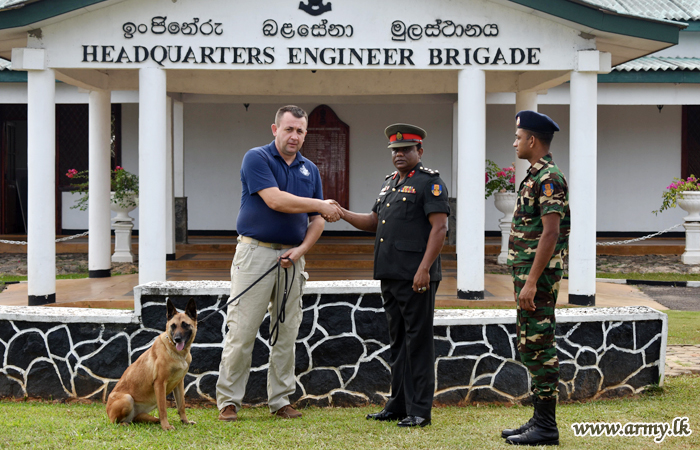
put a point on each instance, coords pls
(690, 202)
(505, 203)
(123, 210)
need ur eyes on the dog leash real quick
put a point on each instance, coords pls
(274, 330)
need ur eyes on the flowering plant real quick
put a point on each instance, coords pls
(499, 179)
(670, 195)
(125, 186)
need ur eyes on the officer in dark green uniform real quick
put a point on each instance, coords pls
(538, 243)
(410, 219)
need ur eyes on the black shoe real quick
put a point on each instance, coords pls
(513, 432)
(544, 431)
(385, 416)
(414, 421)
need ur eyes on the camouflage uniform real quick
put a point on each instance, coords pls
(543, 191)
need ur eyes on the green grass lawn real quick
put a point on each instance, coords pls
(652, 276)
(683, 327)
(65, 276)
(85, 426)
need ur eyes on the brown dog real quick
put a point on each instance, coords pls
(156, 373)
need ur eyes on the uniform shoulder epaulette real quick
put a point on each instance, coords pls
(391, 175)
(429, 171)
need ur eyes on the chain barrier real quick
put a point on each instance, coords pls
(643, 238)
(57, 240)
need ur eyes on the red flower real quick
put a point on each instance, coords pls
(487, 177)
(501, 174)
(512, 179)
(71, 173)
(119, 168)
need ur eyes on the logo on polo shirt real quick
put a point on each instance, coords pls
(304, 171)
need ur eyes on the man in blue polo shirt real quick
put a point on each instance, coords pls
(282, 216)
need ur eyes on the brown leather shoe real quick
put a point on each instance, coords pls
(287, 412)
(228, 414)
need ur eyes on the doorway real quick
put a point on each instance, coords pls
(13, 161)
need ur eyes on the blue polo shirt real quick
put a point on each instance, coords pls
(263, 168)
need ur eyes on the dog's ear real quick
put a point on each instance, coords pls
(171, 310)
(191, 309)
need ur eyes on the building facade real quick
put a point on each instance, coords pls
(192, 85)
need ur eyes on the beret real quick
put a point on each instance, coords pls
(534, 121)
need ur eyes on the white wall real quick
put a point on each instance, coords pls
(688, 46)
(223, 132)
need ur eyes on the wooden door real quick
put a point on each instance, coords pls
(327, 144)
(690, 145)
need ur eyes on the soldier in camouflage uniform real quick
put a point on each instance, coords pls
(537, 247)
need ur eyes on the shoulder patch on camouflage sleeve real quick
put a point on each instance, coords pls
(547, 189)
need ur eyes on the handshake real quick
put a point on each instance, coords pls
(331, 211)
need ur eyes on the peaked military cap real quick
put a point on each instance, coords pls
(534, 121)
(404, 135)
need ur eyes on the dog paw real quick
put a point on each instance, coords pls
(189, 422)
(167, 427)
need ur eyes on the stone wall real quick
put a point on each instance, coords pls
(342, 354)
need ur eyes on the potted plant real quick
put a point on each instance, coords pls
(500, 182)
(683, 193)
(124, 186)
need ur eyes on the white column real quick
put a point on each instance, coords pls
(455, 148)
(583, 187)
(523, 100)
(152, 174)
(169, 188)
(99, 133)
(179, 148)
(471, 190)
(41, 193)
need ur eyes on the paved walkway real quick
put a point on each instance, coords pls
(682, 360)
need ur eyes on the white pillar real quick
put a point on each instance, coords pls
(455, 148)
(179, 148)
(169, 188)
(41, 192)
(523, 100)
(152, 174)
(471, 207)
(99, 133)
(583, 141)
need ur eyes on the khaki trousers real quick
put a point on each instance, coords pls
(244, 317)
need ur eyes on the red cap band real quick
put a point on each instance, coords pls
(407, 137)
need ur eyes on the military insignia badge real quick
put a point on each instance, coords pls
(548, 189)
(408, 190)
(437, 190)
(517, 121)
(399, 136)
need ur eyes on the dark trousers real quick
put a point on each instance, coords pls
(410, 317)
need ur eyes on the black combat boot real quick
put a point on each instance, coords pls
(544, 431)
(512, 432)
